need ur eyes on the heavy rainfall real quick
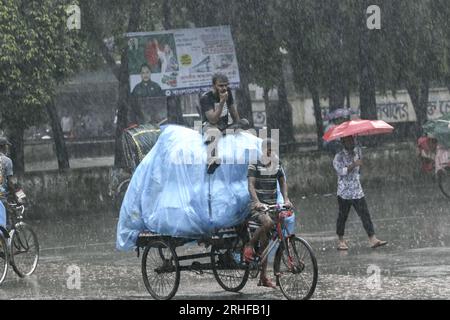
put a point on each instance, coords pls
(151, 149)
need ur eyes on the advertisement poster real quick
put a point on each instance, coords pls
(179, 62)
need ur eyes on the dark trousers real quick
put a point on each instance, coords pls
(361, 209)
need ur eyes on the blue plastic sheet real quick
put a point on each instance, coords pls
(2, 215)
(169, 191)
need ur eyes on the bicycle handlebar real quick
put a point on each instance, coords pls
(268, 207)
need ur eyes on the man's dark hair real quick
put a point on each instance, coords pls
(145, 65)
(219, 77)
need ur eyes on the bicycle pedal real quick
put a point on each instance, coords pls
(194, 267)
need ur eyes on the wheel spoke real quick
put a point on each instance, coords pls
(3, 258)
(160, 270)
(24, 250)
(296, 270)
(230, 272)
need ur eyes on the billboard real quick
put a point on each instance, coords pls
(182, 61)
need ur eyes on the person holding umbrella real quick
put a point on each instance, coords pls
(347, 164)
(334, 119)
(439, 130)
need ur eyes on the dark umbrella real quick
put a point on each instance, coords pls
(439, 129)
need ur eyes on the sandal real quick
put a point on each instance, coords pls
(266, 282)
(249, 254)
(379, 243)
(342, 246)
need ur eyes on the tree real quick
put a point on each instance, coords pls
(35, 54)
(306, 38)
(113, 23)
(367, 42)
(420, 51)
(260, 46)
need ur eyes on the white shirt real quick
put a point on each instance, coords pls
(349, 185)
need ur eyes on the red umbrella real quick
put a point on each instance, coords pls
(357, 128)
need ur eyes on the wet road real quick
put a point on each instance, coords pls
(415, 219)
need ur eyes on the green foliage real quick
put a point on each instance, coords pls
(322, 37)
(418, 41)
(36, 51)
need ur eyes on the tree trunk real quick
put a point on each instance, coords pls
(271, 111)
(58, 137)
(122, 111)
(337, 91)
(124, 87)
(336, 86)
(419, 97)
(266, 98)
(367, 91)
(17, 149)
(317, 114)
(173, 103)
(347, 98)
(244, 101)
(174, 111)
(284, 114)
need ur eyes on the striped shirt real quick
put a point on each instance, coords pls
(265, 181)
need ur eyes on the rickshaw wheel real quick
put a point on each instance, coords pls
(160, 269)
(229, 267)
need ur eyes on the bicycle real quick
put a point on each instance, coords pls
(19, 246)
(295, 266)
(294, 262)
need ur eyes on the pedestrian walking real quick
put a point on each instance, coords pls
(347, 164)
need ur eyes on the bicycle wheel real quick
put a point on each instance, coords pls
(3, 258)
(24, 250)
(160, 270)
(296, 269)
(443, 177)
(229, 268)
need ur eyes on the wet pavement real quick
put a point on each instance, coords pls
(415, 219)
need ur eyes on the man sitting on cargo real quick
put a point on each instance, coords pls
(216, 105)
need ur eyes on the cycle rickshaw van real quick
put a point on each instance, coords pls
(171, 194)
(171, 201)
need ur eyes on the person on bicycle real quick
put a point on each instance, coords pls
(347, 164)
(426, 151)
(6, 173)
(262, 185)
(216, 105)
